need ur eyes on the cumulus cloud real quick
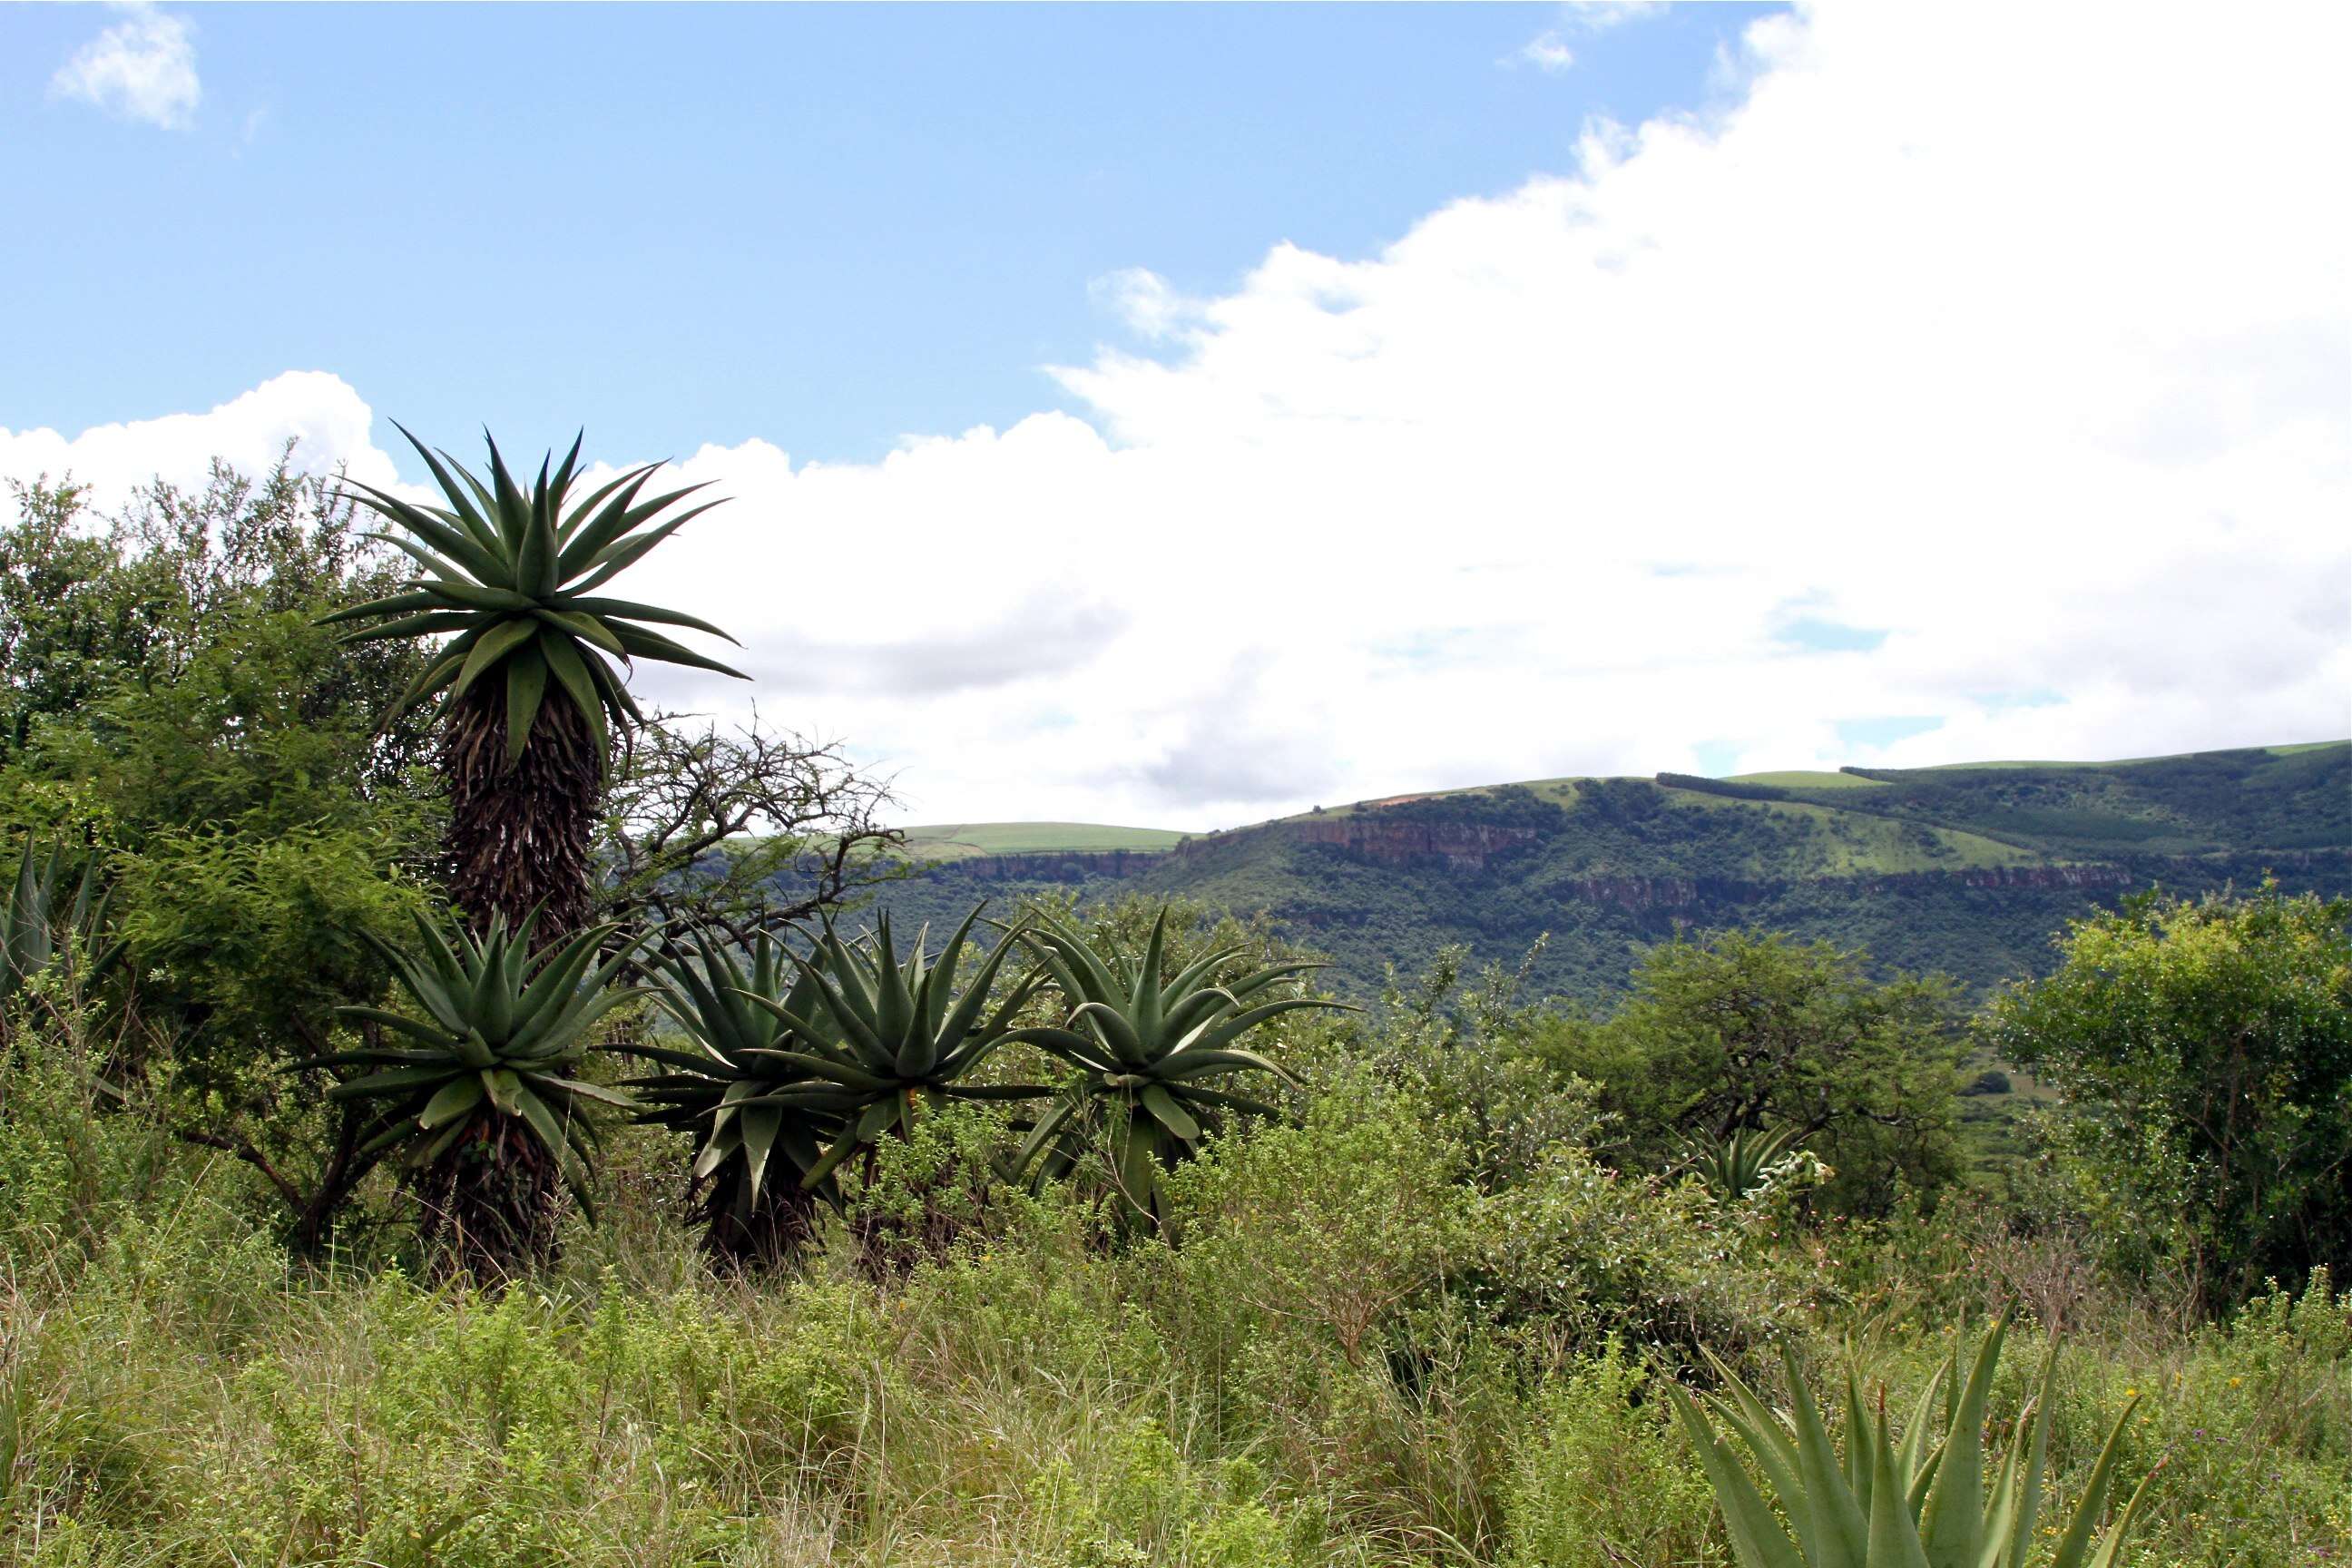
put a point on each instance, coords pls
(1978, 342)
(144, 67)
(325, 418)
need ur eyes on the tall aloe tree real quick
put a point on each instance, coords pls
(530, 690)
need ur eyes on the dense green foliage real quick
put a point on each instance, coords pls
(2203, 1054)
(1355, 1354)
(1747, 1031)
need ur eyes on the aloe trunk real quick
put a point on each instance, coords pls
(491, 1202)
(519, 834)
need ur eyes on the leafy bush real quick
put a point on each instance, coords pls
(2203, 1054)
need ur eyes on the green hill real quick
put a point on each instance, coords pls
(963, 840)
(1968, 869)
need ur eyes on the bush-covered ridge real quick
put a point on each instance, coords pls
(1964, 869)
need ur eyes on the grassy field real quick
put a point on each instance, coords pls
(1800, 778)
(963, 840)
(2289, 751)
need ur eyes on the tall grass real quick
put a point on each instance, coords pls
(1352, 1358)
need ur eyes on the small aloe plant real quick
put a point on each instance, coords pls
(751, 1149)
(1890, 1504)
(39, 923)
(1736, 1165)
(1155, 1059)
(874, 1039)
(486, 1075)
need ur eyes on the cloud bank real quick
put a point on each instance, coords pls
(1998, 375)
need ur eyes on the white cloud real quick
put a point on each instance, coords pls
(1548, 50)
(142, 67)
(1546, 53)
(1600, 16)
(1988, 346)
(326, 419)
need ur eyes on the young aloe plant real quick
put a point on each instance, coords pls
(1898, 1505)
(1153, 1058)
(751, 1149)
(36, 925)
(485, 1080)
(887, 1034)
(1735, 1166)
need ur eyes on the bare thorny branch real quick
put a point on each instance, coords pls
(739, 830)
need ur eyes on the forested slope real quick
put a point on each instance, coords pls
(1967, 869)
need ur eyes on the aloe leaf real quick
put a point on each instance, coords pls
(375, 1084)
(622, 556)
(457, 1098)
(1757, 1537)
(2037, 1458)
(759, 1126)
(1894, 1535)
(1114, 1029)
(1831, 1516)
(495, 644)
(2075, 1542)
(592, 528)
(587, 629)
(628, 610)
(2104, 1556)
(1952, 1518)
(1171, 1115)
(526, 686)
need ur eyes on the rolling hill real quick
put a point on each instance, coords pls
(1968, 869)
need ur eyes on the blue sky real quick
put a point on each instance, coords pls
(824, 225)
(1225, 409)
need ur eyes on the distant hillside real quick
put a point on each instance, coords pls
(1967, 869)
(963, 840)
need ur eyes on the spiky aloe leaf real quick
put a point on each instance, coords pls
(509, 574)
(902, 1031)
(39, 923)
